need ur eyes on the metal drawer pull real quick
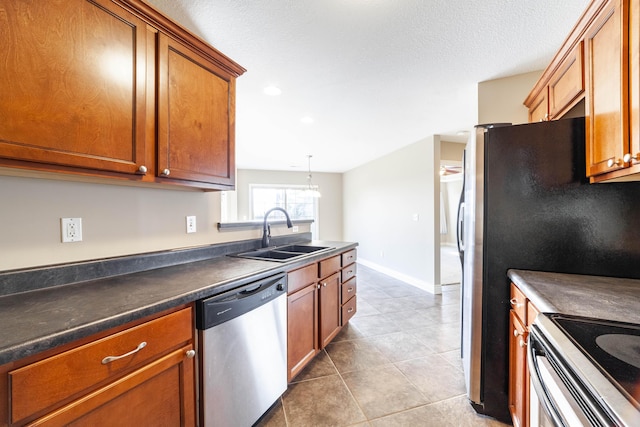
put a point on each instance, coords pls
(191, 354)
(349, 290)
(514, 302)
(522, 343)
(110, 359)
(350, 310)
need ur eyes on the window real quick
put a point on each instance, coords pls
(294, 199)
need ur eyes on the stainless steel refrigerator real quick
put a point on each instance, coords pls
(527, 204)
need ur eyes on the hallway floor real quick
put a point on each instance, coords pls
(397, 363)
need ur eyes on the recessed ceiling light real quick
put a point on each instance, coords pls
(272, 90)
(306, 120)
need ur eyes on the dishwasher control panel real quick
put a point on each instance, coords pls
(228, 305)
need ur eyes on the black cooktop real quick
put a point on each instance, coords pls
(614, 347)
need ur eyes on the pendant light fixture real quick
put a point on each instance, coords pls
(311, 190)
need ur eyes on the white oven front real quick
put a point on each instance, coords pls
(566, 388)
(551, 404)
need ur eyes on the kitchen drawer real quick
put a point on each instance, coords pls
(348, 272)
(348, 310)
(302, 277)
(348, 290)
(329, 266)
(532, 312)
(348, 257)
(40, 385)
(518, 303)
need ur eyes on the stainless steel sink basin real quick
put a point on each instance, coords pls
(304, 249)
(283, 253)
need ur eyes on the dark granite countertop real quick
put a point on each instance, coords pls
(590, 296)
(42, 319)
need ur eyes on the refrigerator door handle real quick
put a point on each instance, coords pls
(460, 227)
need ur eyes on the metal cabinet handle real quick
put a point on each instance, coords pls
(318, 286)
(514, 302)
(349, 290)
(324, 284)
(611, 162)
(350, 310)
(522, 343)
(516, 333)
(142, 169)
(190, 354)
(165, 172)
(110, 359)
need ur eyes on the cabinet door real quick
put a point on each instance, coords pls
(161, 393)
(330, 308)
(518, 372)
(567, 83)
(539, 110)
(196, 117)
(634, 82)
(302, 333)
(73, 85)
(607, 138)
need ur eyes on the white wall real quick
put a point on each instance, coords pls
(329, 205)
(117, 220)
(381, 199)
(501, 100)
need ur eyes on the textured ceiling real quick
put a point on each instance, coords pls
(374, 75)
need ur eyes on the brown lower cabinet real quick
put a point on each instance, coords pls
(522, 315)
(154, 385)
(315, 307)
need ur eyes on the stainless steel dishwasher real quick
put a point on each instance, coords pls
(243, 352)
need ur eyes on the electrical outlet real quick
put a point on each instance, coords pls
(71, 229)
(191, 224)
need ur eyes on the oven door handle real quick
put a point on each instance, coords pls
(544, 396)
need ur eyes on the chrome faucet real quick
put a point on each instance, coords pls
(266, 229)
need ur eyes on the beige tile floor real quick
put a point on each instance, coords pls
(397, 363)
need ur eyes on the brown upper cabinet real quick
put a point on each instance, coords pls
(561, 89)
(80, 84)
(602, 51)
(607, 135)
(73, 85)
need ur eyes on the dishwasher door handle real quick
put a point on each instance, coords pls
(250, 291)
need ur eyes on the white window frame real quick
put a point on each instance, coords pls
(314, 226)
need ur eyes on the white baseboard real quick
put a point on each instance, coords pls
(421, 284)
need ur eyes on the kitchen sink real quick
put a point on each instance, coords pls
(282, 253)
(304, 249)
